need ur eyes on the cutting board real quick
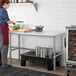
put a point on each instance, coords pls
(23, 30)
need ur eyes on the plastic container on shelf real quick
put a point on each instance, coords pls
(38, 50)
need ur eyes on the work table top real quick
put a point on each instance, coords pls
(43, 33)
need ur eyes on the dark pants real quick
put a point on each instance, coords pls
(3, 52)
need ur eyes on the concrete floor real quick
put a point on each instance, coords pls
(38, 67)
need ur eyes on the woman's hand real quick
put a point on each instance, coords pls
(9, 22)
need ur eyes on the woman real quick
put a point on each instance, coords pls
(4, 41)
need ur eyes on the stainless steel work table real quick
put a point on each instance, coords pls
(52, 34)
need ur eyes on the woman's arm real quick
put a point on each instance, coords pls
(5, 17)
(9, 22)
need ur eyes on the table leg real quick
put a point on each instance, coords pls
(10, 48)
(23, 61)
(54, 57)
(19, 45)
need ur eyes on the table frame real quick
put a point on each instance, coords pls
(19, 36)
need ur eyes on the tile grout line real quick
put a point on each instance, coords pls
(43, 74)
(11, 73)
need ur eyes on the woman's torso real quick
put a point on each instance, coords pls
(3, 16)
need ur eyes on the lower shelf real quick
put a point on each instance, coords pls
(46, 61)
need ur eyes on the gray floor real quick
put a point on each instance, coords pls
(16, 71)
(37, 67)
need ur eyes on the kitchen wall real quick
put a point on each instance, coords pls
(54, 15)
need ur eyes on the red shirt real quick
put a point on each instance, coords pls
(5, 33)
